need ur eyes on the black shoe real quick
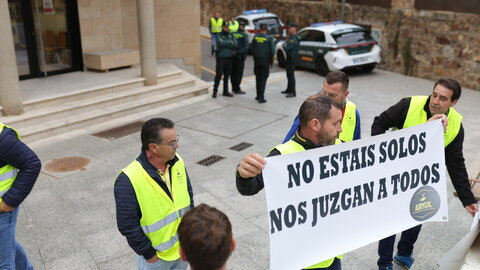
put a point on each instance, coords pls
(256, 98)
(285, 92)
(214, 95)
(227, 94)
(289, 95)
(239, 92)
(261, 101)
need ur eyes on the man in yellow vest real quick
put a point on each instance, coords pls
(320, 123)
(151, 195)
(416, 110)
(19, 170)
(233, 25)
(215, 27)
(335, 86)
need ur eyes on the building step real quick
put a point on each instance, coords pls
(92, 92)
(86, 103)
(80, 120)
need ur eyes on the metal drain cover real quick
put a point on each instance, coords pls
(241, 146)
(67, 164)
(121, 131)
(210, 160)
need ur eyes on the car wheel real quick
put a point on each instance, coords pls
(321, 66)
(281, 59)
(369, 67)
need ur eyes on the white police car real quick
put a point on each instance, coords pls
(330, 46)
(252, 19)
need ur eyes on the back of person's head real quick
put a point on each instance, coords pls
(151, 131)
(316, 107)
(452, 85)
(338, 77)
(205, 235)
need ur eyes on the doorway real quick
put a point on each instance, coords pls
(46, 36)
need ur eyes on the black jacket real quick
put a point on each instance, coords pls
(128, 209)
(395, 117)
(17, 154)
(251, 186)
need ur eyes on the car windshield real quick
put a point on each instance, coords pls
(352, 37)
(271, 22)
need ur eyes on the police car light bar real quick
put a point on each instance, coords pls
(254, 11)
(325, 23)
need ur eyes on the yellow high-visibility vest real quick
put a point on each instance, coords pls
(233, 27)
(417, 115)
(293, 147)
(8, 173)
(160, 214)
(349, 122)
(216, 25)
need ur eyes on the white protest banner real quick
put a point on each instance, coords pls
(331, 200)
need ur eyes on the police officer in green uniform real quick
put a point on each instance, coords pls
(226, 45)
(291, 48)
(413, 111)
(263, 51)
(238, 59)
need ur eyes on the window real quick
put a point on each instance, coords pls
(315, 35)
(303, 35)
(271, 22)
(243, 21)
(352, 37)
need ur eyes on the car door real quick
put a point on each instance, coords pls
(309, 47)
(302, 52)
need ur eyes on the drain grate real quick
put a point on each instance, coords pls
(210, 160)
(241, 146)
(121, 131)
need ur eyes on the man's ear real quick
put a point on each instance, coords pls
(454, 102)
(182, 254)
(315, 124)
(234, 244)
(346, 94)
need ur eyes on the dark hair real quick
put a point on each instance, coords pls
(338, 77)
(452, 85)
(316, 106)
(205, 235)
(151, 130)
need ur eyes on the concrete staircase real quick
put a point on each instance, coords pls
(103, 106)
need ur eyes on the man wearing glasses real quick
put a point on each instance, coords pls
(335, 86)
(151, 195)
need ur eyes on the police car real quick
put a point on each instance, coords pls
(330, 46)
(252, 19)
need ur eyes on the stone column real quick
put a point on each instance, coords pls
(146, 30)
(10, 98)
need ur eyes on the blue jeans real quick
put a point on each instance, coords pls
(405, 246)
(213, 38)
(161, 264)
(12, 255)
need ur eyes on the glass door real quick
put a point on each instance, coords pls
(47, 36)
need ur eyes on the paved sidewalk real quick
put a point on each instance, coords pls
(68, 221)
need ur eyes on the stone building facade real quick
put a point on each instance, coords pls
(418, 38)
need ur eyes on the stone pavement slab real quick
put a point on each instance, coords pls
(68, 221)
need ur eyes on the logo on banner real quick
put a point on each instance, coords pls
(425, 203)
